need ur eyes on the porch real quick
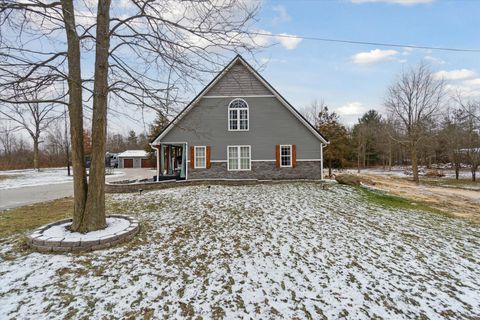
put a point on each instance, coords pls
(171, 161)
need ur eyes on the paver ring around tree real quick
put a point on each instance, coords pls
(56, 237)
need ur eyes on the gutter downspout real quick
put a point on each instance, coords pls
(321, 157)
(158, 160)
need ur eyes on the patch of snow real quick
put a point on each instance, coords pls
(60, 231)
(406, 172)
(395, 172)
(133, 153)
(31, 177)
(264, 251)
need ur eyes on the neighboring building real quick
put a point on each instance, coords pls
(111, 160)
(239, 127)
(134, 159)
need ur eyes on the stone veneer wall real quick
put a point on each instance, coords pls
(263, 170)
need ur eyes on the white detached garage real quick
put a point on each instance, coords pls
(134, 159)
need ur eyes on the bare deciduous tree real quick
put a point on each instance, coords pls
(415, 98)
(312, 112)
(33, 117)
(137, 49)
(7, 140)
(452, 136)
(468, 115)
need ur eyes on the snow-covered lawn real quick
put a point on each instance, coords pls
(406, 172)
(266, 251)
(30, 177)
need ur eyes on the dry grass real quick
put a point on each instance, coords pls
(450, 182)
(7, 176)
(446, 195)
(26, 218)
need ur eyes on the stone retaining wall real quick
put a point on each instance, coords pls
(39, 243)
(262, 170)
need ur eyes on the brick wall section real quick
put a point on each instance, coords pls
(262, 170)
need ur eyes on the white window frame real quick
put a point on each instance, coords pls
(239, 158)
(195, 157)
(238, 115)
(291, 156)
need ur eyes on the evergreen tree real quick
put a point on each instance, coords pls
(335, 153)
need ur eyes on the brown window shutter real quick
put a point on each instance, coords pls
(207, 160)
(277, 156)
(294, 155)
(192, 157)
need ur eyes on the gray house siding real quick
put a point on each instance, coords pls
(270, 124)
(237, 81)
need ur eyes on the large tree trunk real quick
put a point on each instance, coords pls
(36, 165)
(95, 210)
(358, 160)
(75, 112)
(390, 157)
(474, 174)
(413, 156)
(364, 156)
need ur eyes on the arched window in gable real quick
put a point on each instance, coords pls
(238, 115)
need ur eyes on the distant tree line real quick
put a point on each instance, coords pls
(423, 126)
(18, 152)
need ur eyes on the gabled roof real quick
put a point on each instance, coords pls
(240, 59)
(133, 154)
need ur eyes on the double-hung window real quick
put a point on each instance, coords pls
(238, 115)
(239, 158)
(285, 155)
(200, 157)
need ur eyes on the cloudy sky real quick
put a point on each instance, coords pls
(352, 78)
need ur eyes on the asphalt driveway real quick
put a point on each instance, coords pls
(26, 195)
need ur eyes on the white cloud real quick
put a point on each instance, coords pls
(350, 112)
(265, 60)
(262, 38)
(282, 15)
(401, 2)
(265, 38)
(463, 89)
(352, 108)
(374, 56)
(458, 74)
(287, 42)
(473, 83)
(434, 60)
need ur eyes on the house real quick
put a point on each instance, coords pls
(239, 127)
(134, 159)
